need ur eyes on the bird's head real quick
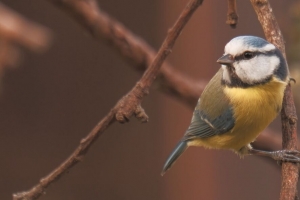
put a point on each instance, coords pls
(250, 60)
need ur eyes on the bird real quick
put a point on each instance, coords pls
(240, 101)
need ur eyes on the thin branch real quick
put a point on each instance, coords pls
(273, 34)
(232, 16)
(131, 47)
(75, 157)
(16, 29)
(134, 97)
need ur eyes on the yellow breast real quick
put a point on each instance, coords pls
(254, 109)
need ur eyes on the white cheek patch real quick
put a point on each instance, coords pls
(226, 76)
(256, 69)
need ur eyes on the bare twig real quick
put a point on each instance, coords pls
(232, 17)
(134, 97)
(16, 29)
(131, 47)
(273, 34)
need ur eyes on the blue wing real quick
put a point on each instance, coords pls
(203, 127)
(213, 114)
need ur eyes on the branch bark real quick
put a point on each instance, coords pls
(134, 98)
(128, 105)
(232, 16)
(16, 29)
(131, 47)
(273, 34)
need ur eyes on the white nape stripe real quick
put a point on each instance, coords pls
(268, 47)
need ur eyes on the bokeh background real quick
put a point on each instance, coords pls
(54, 99)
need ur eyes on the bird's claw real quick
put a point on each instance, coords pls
(286, 156)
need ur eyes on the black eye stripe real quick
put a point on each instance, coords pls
(255, 53)
(244, 57)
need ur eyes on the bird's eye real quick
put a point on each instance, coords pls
(248, 55)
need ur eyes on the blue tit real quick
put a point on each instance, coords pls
(240, 101)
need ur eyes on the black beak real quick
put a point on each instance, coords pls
(225, 60)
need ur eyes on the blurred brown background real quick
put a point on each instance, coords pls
(52, 100)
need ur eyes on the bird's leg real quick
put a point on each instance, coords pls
(281, 155)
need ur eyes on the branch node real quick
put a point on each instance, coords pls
(121, 117)
(42, 180)
(79, 158)
(292, 120)
(82, 141)
(141, 115)
(124, 108)
(129, 105)
(168, 51)
(232, 19)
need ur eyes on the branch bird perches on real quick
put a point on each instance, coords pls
(290, 171)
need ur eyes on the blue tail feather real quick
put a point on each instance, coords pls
(179, 149)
